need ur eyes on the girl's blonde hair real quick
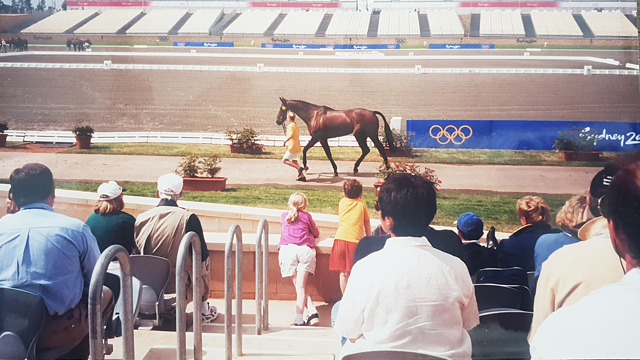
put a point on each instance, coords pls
(103, 207)
(534, 210)
(574, 211)
(297, 201)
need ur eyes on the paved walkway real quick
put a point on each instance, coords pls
(271, 172)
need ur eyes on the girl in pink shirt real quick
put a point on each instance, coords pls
(297, 254)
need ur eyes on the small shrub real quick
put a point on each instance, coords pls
(193, 165)
(247, 137)
(83, 130)
(400, 139)
(189, 166)
(3, 127)
(385, 171)
(209, 165)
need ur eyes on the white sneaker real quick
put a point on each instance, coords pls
(210, 314)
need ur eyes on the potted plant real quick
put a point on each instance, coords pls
(577, 144)
(83, 136)
(245, 141)
(3, 137)
(401, 140)
(200, 173)
(385, 171)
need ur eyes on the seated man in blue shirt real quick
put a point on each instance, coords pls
(51, 255)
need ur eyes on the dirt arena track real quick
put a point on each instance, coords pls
(214, 101)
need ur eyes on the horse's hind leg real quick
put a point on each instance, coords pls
(309, 145)
(362, 141)
(327, 151)
(380, 147)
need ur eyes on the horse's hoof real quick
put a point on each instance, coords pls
(335, 174)
(306, 168)
(355, 171)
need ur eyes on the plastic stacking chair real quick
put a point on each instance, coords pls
(526, 297)
(494, 296)
(503, 276)
(112, 281)
(502, 334)
(391, 355)
(22, 315)
(154, 273)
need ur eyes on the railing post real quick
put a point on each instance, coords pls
(96, 348)
(262, 277)
(193, 240)
(234, 232)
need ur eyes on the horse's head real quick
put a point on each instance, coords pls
(282, 113)
(89, 42)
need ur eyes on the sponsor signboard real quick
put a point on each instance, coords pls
(332, 46)
(203, 43)
(518, 135)
(306, 5)
(519, 4)
(462, 46)
(81, 4)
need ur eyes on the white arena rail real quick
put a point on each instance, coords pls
(609, 24)
(59, 22)
(109, 22)
(252, 22)
(158, 21)
(200, 21)
(301, 23)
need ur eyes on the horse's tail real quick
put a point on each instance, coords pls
(387, 133)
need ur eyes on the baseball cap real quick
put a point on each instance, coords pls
(471, 225)
(170, 184)
(109, 190)
(601, 181)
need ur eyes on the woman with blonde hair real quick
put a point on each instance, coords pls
(297, 254)
(517, 250)
(574, 213)
(108, 223)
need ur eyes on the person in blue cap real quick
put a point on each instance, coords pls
(475, 255)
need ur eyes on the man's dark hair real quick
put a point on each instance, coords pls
(621, 205)
(352, 188)
(410, 200)
(32, 183)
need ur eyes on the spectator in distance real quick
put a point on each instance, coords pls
(108, 223)
(408, 295)
(51, 255)
(159, 232)
(604, 323)
(475, 255)
(517, 249)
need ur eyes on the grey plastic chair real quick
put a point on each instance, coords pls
(502, 334)
(112, 281)
(391, 355)
(22, 316)
(154, 273)
(493, 296)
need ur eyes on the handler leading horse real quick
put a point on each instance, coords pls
(325, 123)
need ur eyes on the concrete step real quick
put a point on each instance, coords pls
(274, 25)
(529, 31)
(582, 24)
(423, 20)
(174, 30)
(373, 25)
(324, 24)
(474, 27)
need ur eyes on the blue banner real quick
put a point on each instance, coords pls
(462, 46)
(203, 44)
(332, 46)
(518, 135)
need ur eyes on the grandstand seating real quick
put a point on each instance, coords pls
(501, 23)
(349, 23)
(200, 21)
(158, 21)
(554, 23)
(300, 23)
(59, 22)
(109, 22)
(609, 24)
(445, 23)
(399, 23)
(252, 22)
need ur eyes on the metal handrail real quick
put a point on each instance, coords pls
(234, 232)
(190, 239)
(262, 277)
(96, 348)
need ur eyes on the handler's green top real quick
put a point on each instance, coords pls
(110, 229)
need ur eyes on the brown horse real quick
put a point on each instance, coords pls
(325, 123)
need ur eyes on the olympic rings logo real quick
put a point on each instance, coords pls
(451, 133)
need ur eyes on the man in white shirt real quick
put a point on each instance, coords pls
(408, 296)
(604, 324)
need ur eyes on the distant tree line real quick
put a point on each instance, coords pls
(21, 7)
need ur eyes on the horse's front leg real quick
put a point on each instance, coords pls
(309, 145)
(327, 151)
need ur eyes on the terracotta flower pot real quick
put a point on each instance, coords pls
(252, 150)
(3, 140)
(204, 183)
(580, 155)
(83, 142)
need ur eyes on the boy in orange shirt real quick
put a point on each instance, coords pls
(294, 149)
(353, 225)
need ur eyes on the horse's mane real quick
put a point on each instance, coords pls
(325, 108)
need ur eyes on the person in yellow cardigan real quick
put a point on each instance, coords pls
(292, 143)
